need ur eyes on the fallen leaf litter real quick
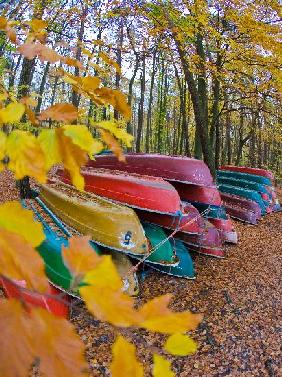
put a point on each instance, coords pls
(240, 297)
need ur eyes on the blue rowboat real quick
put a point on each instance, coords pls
(244, 176)
(246, 184)
(245, 193)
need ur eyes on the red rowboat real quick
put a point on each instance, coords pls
(201, 194)
(189, 220)
(244, 169)
(49, 301)
(225, 228)
(181, 169)
(240, 202)
(208, 242)
(242, 215)
(150, 193)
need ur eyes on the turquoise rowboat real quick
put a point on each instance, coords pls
(266, 195)
(244, 176)
(185, 268)
(245, 193)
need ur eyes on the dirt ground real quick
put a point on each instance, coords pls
(240, 297)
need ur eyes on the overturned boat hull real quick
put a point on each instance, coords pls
(108, 224)
(149, 193)
(244, 176)
(50, 249)
(181, 169)
(244, 169)
(185, 268)
(245, 193)
(189, 220)
(194, 193)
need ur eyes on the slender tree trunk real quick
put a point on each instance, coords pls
(149, 114)
(42, 87)
(119, 57)
(129, 127)
(75, 98)
(141, 105)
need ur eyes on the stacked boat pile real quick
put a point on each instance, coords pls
(247, 193)
(150, 211)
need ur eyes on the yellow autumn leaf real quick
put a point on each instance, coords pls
(71, 145)
(110, 305)
(20, 261)
(162, 367)
(110, 61)
(81, 136)
(104, 274)
(38, 25)
(15, 218)
(90, 83)
(72, 156)
(180, 345)
(124, 360)
(25, 155)
(104, 297)
(118, 132)
(12, 113)
(2, 148)
(50, 146)
(158, 317)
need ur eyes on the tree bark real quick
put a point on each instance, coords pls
(141, 105)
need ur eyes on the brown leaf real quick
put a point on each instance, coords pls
(113, 144)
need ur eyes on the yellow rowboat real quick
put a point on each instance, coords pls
(108, 224)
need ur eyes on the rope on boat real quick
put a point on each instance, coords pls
(135, 268)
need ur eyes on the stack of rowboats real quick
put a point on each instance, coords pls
(151, 211)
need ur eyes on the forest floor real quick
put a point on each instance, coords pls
(240, 297)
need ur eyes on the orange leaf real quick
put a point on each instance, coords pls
(59, 348)
(18, 260)
(29, 50)
(3, 23)
(79, 256)
(48, 54)
(113, 144)
(16, 353)
(72, 62)
(11, 34)
(115, 98)
(124, 360)
(38, 334)
(61, 112)
(158, 317)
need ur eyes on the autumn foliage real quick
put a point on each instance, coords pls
(27, 333)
